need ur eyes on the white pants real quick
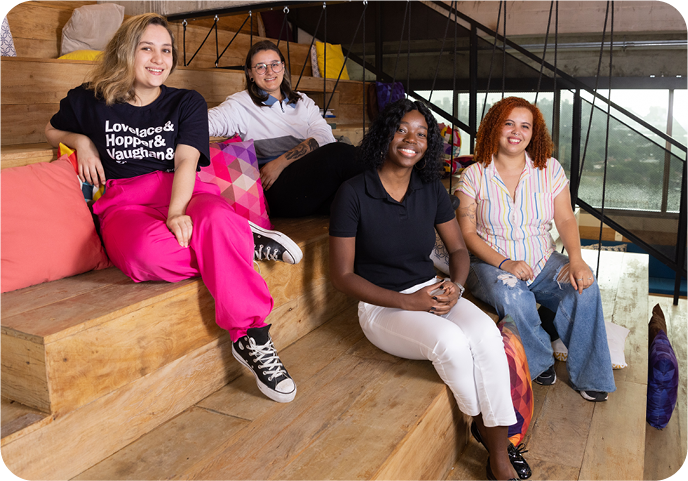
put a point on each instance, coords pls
(464, 345)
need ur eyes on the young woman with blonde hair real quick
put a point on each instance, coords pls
(145, 141)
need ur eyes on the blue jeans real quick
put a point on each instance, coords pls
(579, 320)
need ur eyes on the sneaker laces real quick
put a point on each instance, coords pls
(268, 255)
(267, 359)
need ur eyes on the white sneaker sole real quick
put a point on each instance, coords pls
(290, 246)
(271, 393)
(592, 399)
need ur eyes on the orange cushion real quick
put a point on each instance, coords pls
(47, 229)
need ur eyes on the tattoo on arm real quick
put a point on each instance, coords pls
(469, 213)
(302, 149)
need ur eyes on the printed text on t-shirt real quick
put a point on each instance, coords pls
(137, 145)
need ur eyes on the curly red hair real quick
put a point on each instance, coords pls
(540, 147)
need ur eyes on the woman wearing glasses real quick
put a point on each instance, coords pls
(301, 164)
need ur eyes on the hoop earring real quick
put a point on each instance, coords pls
(425, 161)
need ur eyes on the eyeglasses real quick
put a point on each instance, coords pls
(262, 68)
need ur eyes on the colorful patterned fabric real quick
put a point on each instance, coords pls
(6, 42)
(521, 388)
(91, 192)
(234, 168)
(662, 382)
(518, 228)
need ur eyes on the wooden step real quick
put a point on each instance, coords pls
(75, 346)
(37, 27)
(359, 413)
(24, 154)
(18, 419)
(571, 438)
(30, 97)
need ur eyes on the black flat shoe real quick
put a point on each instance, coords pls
(518, 461)
(490, 476)
(515, 454)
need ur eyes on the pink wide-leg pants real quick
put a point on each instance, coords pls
(133, 215)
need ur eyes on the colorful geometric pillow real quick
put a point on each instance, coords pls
(521, 388)
(234, 169)
(662, 379)
(47, 229)
(91, 192)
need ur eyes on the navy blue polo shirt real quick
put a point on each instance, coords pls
(393, 239)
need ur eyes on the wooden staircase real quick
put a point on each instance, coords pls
(103, 378)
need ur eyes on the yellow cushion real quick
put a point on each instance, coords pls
(335, 60)
(82, 55)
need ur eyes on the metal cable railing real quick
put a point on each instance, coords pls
(559, 82)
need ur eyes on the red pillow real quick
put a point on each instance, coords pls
(234, 168)
(47, 229)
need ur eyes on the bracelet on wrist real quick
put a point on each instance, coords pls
(500, 264)
(461, 289)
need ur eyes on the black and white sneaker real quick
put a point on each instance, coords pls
(256, 351)
(594, 396)
(271, 245)
(548, 377)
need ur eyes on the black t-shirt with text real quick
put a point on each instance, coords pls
(132, 140)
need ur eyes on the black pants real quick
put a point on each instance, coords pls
(308, 185)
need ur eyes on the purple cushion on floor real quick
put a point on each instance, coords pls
(662, 381)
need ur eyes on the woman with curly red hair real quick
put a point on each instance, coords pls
(509, 199)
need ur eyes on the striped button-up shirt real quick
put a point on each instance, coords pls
(516, 228)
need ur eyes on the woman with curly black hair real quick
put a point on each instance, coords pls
(382, 230)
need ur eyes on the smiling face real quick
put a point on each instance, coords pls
(516, 132)
(269, 81)
(153, 61)
(410, 141)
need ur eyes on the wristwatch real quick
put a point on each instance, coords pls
(461, 289)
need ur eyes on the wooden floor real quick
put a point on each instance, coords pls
(236, 433)
(344, 383)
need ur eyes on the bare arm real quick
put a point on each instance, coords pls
(567, 226)
(185, 161)
(480, 248)
(450, 233)
(342, 254)
(272, 170)
(90, 166)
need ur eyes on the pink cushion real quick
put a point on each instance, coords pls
(47, 229)
(234, 168)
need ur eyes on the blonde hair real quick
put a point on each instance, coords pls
(113, 77)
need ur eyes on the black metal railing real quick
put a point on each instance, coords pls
(576, 110)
